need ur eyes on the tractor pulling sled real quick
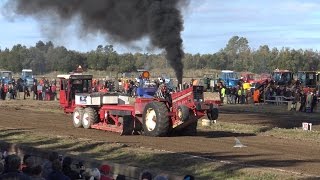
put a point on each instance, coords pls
(176, 112)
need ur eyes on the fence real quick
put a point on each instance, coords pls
(279, 100)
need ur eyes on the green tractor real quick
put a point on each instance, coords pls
(209, 82)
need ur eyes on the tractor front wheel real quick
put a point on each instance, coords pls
(155, 119)
(191, 130)
(77, 117)
(90, 116)
(213, 112)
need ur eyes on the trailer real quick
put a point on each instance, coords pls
(162, 115)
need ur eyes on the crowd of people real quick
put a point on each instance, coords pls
(42, 89)
(307, 98)
(126, 86)
(57, 167)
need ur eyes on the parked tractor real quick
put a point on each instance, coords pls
(162, 115)
(229, 78)
(27, 77)
(282, 77)
(6, 77)
(210, 82)
(309, 80)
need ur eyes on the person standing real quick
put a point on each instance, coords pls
(222, 94)
(34, 91)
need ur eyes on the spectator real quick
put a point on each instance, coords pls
(47, 165)
(39, 91)
(34, 168)
(94, 174)
(44, 91)
(25, 167)
(1, 163)
(34, 93)
(12, 166)
(222, 94)
(1, 166)
(160, 177)
(121, 177)
(146, 175)
(188, 177)
(57, 173)
(26, 92)
(314, 102)
(105, 172)
(36, 172)
(54, 91)
(67, 170)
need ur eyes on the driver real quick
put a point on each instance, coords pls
(163, 92)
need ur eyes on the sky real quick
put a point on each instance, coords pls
(208, 25)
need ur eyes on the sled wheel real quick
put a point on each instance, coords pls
(90, 116)
(77, 117)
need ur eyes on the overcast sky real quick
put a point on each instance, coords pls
(208, 25)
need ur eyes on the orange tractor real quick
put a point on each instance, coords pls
(161, 115)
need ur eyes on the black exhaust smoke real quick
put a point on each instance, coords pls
(122, 21)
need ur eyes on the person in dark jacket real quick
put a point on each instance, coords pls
(47, 165)
(12, 166)
(57, 173)
(68, 171)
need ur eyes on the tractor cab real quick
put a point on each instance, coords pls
(145, 88)
(282, 77)
(229, 78)
(70, 84)
(309, 80)
(248, 77)
(6, 77)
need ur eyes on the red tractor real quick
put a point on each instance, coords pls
(248, 77)
(162, 115)
(282, 77)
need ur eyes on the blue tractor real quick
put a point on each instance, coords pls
(27, 77)
(229, 78)
(145, 87)
(6, 77)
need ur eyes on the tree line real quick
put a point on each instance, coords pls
(237, 55)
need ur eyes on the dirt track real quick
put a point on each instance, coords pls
(286, 154)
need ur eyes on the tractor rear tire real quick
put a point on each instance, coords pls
(77, 117)
(155, 120)
(213, 113)
(90, 116)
